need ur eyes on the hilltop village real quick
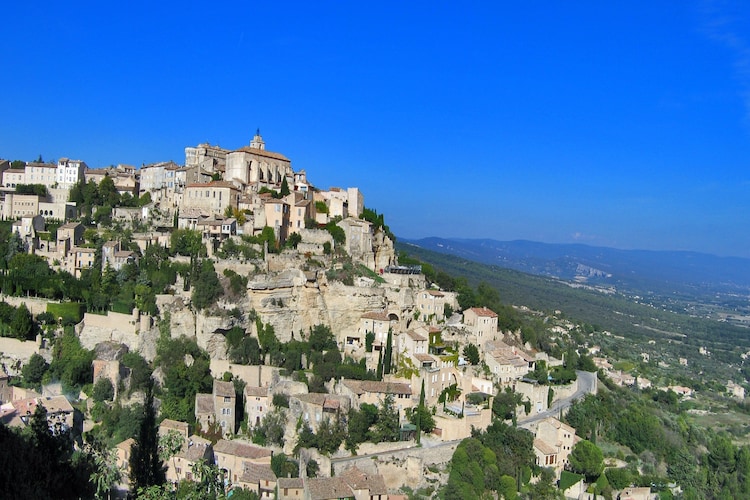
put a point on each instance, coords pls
(267, 328)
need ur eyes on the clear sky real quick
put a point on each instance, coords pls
(623, 124)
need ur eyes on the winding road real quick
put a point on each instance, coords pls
(587, 384)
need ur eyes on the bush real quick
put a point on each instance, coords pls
(281, 399)
(103, 390)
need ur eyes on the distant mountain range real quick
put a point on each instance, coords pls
(628, 271)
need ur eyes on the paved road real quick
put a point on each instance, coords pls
(427, 442)
(587, 383)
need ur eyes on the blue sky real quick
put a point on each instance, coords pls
(615, 125)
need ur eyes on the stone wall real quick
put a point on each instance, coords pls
(403, 466)
(33, 304)
(15, 353)
(111, 327)
(255, 376)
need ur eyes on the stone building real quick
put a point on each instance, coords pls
(69, 172)
(252, 164)
(213, 197)
(482, 323)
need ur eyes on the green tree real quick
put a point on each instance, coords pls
(247, 352)
(272, 429)
(283, 466)
(140, 371)
(330, 435)
(472, 354)
(505, 403)
(619, 478)
(545, 489)
(106, 472)
(284, 188)
(388, 356)
(586, 458)
(293, 240)
(34, 370)
(207, 288)
(103, 390)
(387, 426)
(108, 192)
(182, 382)
(146, 467)
(359, 424)
(188, 243)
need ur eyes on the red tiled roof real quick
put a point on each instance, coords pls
(377, 315)
(483, 311)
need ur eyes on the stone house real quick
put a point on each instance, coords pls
(431, 304)
(258, 478)
(351, 483)
(300, 209)
(736, 390)
(60, 413)
(482, 323)
(553, 442)
(213, 197)
(507, 363)
(217, 407)
(314, 407)
(205, 156)
(374, 392)
(377, 322)
(231, 456)
(256, 404)
(167, 425)
(359, 241)
(41, 173)
(414, 342)
(450, 427)
(82, 258)
(153, 177)
(115, 257)
(277, 216)
(13, 177)
(194, 449)
(68, 236)
(69, 172)
(292, 488)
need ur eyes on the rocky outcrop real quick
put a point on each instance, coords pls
(385, 254)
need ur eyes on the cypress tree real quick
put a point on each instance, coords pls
(146, 468)
(419, 414)
(388, 353)
(379, 373)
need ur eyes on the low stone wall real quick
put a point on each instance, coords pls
(33, 304)
(564, 391)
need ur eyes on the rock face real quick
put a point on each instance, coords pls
(385, 255)
(292, 303)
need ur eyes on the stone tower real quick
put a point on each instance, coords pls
(257, 142)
